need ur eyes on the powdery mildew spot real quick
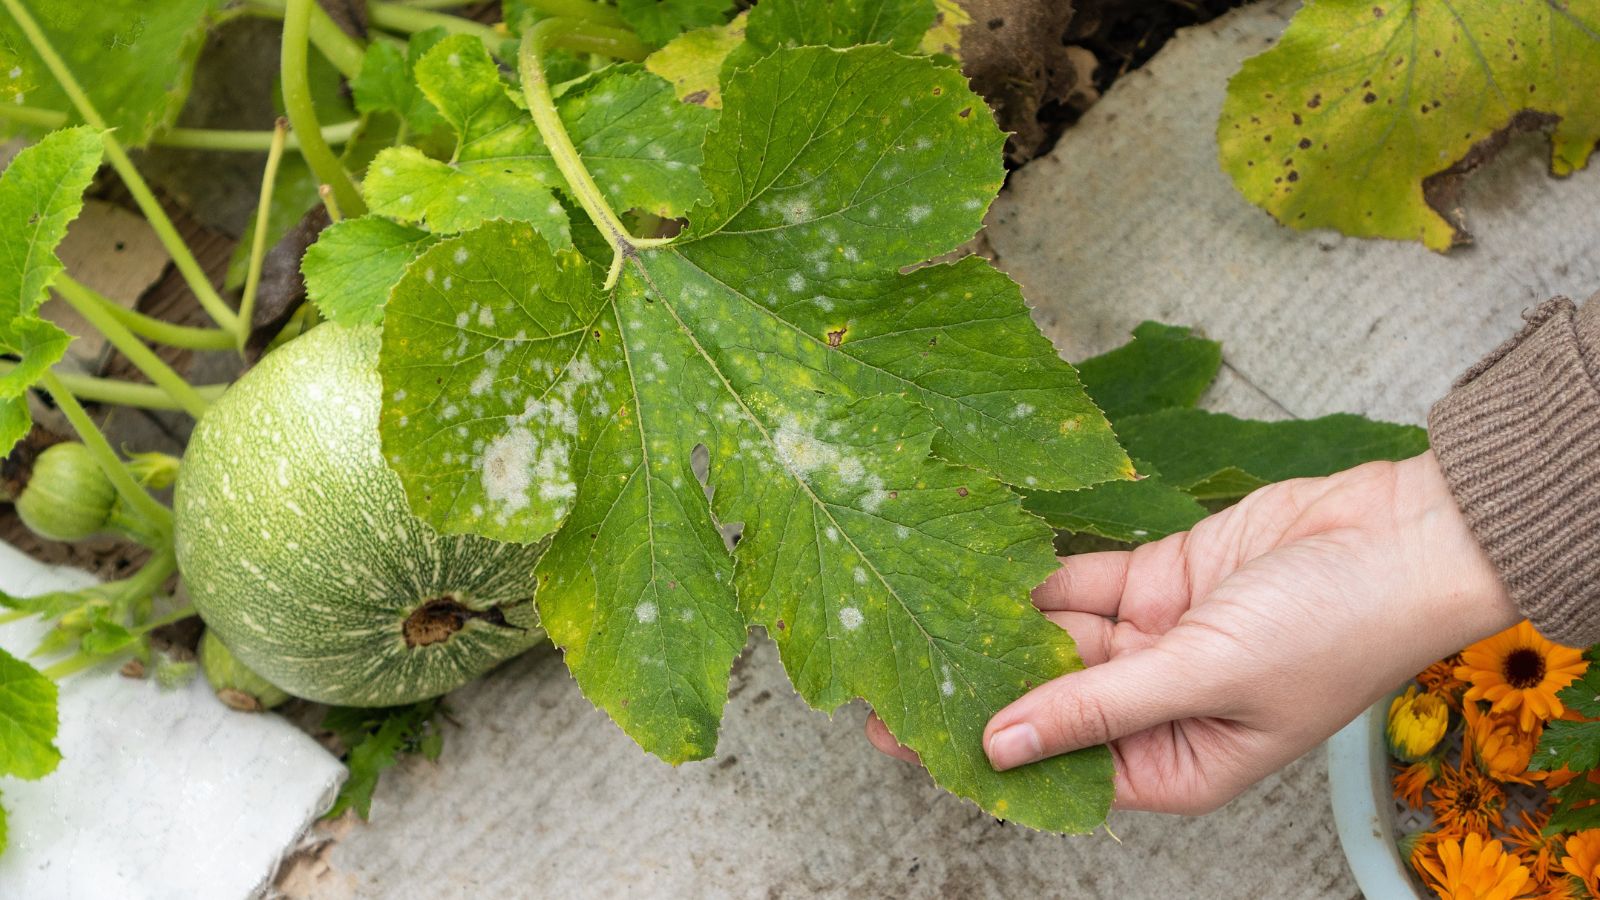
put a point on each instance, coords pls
(851, 618)
(507, 469)
(645, 612)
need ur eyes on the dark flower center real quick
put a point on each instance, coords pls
(1467, 800)
(1524, 668)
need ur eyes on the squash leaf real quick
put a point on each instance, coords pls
(1219, 457)
(692, 62)
(387, 82)
(134, 58)
(1133, 512)
(852, 427)
(376, 739)
(1162, 367)
(41, 191)
(1343, 124)
(353, 265)
(27, 720)
(659, 21)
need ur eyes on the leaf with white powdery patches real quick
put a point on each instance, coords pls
(777, 338)
(486, 345)
(41, 191)
(641, 145)
(354, 264)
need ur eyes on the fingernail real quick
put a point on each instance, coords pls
(1014, 745)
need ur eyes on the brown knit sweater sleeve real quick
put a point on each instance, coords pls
(1518, 438)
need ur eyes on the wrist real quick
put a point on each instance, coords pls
(1463, 597)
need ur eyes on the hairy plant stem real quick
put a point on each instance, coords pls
(157, 516)
(586, 10)
(142, 585)
(592, 31)
(89, 305)
(543, 109)
(154, 329)
(303, 112)
(187, 265)
(126, 393)
(343, 51)
(188, 138)
(258, 243)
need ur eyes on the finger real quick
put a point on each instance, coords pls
(1122, 696)
(1088, 582)
(1092, 634)
(879, 736)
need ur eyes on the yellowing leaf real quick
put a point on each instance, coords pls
(1344, 121)
(693, 60)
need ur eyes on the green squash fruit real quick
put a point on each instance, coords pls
(297, 546)
(68, 497)
(234, 682)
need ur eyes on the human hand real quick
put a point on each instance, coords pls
(1217, 656)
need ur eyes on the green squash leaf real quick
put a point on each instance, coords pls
(1134, 512)
(692, 62)
(901, 24)
(1163, 366)
(776, 351)
(405, 185)
(659, 21)
(134, 58)
(27, 720)
(353, 265)
(41, 191)
(387, 82)
(642, 146)
(1341, 124)
(1219, 457)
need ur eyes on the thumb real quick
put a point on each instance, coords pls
(1123, 696)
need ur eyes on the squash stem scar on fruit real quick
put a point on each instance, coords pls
(439, 619)
(543, 109)
(302, 110)
(143, 197)
(216, 139)
(138, 499)
(258, 243)
(124, 393)
(143, 358)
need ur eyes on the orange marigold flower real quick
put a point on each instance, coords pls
(1583, 858)
(1473, 868)
(1440, 680)
(1465, 802)
(1558, 887)
(1411, 780)
(1416, 847)
(1518, 670)
(1536, 850)
(1556, 779)
(1500, 748)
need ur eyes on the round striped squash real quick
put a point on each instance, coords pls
(298, 549)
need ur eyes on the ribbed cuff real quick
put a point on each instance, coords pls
(1518, 438)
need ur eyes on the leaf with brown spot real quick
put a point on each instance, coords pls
(1389, 106)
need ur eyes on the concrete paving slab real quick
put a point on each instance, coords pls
(1129, 218)
(160, 795)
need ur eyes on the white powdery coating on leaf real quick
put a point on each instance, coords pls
(851, 618)
(508, 469)
(860, 575)
(645, 612)
(1022, 411)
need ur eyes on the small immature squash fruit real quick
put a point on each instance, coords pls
(299, 551)
(68, 497)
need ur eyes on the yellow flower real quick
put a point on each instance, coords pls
(1474, 869)
(1583, 858)
(1416, 724)
(1465, 802)
(1499, 746)
(1518, 669)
